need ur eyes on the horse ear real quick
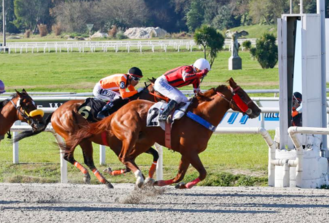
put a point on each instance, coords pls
(24, 91)
(17, 92)
(232, 82)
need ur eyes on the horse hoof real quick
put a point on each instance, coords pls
(139, 182)
(180, 185)
(108, 170)
(86, 178)
(149, 181)
(109, 185)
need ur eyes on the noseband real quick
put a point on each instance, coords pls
(28, 117)
(237, 100)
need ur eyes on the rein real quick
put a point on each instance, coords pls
(159, 96)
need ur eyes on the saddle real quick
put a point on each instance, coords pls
(154, 112)
(90, 108)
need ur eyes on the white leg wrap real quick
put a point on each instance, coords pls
(139, 178)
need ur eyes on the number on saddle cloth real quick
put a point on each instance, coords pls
(154, 112)
(90, 108)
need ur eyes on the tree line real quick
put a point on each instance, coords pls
(171, 15)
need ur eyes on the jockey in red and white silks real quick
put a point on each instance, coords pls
(168, 83)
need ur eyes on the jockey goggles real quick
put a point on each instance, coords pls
(135, 78)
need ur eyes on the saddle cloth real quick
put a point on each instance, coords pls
(154, 112)
(90, 108)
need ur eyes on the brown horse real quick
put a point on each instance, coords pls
(19, 107)
(188, 136)
(66, 121)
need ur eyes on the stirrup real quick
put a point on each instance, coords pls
(100, 116)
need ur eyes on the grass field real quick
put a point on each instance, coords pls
(78, 72)
(226, 158)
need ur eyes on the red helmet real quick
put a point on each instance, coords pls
(135, 72)
(2, 87)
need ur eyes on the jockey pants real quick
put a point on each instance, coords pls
(105, 94)
(161, 85)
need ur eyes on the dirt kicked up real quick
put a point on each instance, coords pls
(123, 204)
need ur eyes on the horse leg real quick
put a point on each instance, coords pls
(87, 149)
(184, 164)
(197, 164)
(155, 154)
(70, 158)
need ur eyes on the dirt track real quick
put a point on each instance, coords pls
(95, 203)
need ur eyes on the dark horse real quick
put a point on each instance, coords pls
(66, 121)
(188, 137)
(19, 107)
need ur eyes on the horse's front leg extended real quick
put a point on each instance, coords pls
(87, 150)
(184, 164)
(197, 164)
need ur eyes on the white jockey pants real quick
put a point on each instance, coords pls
(105, 94)
(162, 86)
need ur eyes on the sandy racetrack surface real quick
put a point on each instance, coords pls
(95, 203)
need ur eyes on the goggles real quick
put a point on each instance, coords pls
(135, 78)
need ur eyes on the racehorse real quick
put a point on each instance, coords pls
(66, 121)
(19, 107)
(188, 137)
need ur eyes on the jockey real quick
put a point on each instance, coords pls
(2, 87)
(168, 83)
(113, 87)
(296, 109)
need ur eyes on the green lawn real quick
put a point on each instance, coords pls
(78, 72)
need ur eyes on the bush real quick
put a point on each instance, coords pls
(253, 53)
(42, 30)
(121, 35)
(247, 44)
(113, 31)
(57, 29)
(27, 33)
(266, 51)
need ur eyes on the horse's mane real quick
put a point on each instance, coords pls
(3, 103)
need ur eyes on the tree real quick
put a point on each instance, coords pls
(208, 37)
(266, 51)
(194, 17)
(32, 12)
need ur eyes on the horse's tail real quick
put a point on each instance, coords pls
(29, 133)
(84, 131)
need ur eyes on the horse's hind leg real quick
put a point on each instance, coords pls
(87, 150)
(155, 154)
(184, 164)
(70, 158)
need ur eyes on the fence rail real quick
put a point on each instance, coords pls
(105, 46)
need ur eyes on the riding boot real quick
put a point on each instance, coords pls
(105, 111)
(170, 106)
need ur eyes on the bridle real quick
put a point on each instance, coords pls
(237, 100)
(22, 111)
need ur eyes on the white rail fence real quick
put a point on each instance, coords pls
(105, 46)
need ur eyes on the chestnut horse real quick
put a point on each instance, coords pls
(66, 121)
(188, 137)
(19, 107)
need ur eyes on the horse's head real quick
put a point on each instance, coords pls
(27, 109)
(242, 102)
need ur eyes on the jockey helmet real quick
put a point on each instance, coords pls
(298, 96)
(135, 73)
(2, 87)
(201, 64)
